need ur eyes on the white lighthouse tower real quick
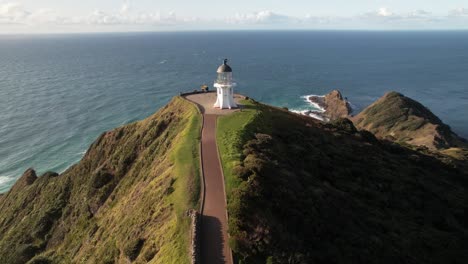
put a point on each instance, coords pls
(225, 87)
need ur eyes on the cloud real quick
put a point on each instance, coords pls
(384, 12)
(126, 16)
(13, 13)
(102, 18)
(412, 20)
(261, 17)
(420, 13)
(129, 17)
(99, 17)
(125, 8)
(459, 12)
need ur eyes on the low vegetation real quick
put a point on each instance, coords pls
(299, 191)
(126, 200)
(232, 132)
(305, 192)
(401, 119)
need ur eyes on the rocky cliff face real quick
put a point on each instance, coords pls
(334, 104)
(402, 119)
(125, 201)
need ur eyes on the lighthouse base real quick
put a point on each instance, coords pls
(225, 98)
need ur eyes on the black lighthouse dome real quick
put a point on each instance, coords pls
(224, 67)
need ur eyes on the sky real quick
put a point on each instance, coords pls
(67, 16)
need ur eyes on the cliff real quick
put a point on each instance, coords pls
(302, 191)
(334, 104)
(399, 118)
(126, 200)
(299, 191)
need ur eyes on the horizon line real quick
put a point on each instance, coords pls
(227, 30)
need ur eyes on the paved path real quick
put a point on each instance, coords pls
(214, 236)
(206, 101)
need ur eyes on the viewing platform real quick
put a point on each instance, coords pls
(205, 101)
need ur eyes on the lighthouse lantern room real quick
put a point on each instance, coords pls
(225, 87)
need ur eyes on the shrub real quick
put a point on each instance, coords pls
(150, 253)
(345, 125)
(133, 248)
(101, 178)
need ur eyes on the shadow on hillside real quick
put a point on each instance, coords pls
(212, 241)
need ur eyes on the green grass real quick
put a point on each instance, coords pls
(186, 159)
(127, 198)
(305, 192)
(231, 134)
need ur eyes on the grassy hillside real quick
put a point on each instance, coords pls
(404, 120)
(232, 132)
(305, 192)
(126, 200)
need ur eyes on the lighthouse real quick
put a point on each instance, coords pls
(225, 87)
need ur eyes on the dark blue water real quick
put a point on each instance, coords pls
(58, 93)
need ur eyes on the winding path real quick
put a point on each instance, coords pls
(214, 246)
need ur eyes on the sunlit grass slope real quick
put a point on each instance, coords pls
(232, 131)
(126, 200)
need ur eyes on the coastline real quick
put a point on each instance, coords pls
(321, 110)
(317, 102)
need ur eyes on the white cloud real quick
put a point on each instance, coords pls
(99, 17)
(413, 20)
(45, 16)
(129, 17)
(420, 13)
(384, 12)
(261, 17)
(461, 11)
(125, 8)
(13, 13)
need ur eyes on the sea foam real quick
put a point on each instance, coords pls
(309, 113)
(4, 180)
(314, 104)
(316, 110)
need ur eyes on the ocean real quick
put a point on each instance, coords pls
(59, 92)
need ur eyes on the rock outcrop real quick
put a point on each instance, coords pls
(334, 104)
(28, 178)
(401, 119)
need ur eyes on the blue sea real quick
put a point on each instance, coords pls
(59, 92)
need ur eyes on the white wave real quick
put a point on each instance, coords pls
(318, 117)
(317, 111)
(314, 104)
(163, 61)
(308, 113)
(4, 179)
